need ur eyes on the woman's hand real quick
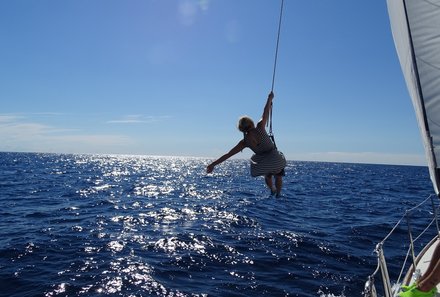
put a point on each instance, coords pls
(266, 110)
(271, 95)
(236, 149)
(209, 168)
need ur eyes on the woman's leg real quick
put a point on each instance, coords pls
(435, 258)
(269, 183)
(431, 277)
(278, 183)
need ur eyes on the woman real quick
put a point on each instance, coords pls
(267, 160)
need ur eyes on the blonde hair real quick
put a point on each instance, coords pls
(245, 123)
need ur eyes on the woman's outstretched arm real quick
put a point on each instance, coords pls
(236, 149)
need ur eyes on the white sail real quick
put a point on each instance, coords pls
(416, 31)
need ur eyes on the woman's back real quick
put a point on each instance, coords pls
(258, 141)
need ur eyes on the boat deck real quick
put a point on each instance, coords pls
(424, 259)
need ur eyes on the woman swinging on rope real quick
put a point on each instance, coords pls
(267, 160)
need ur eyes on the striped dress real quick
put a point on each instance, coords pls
(267, 159)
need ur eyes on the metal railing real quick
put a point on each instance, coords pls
(389, 289)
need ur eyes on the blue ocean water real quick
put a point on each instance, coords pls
(103, 225)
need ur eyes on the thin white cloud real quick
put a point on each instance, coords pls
(5, 118)
(137, 119)
(30, 129)
(17, 126)
(18, 133)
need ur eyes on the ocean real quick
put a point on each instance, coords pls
(111, 225)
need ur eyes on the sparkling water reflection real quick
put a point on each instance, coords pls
(86, 225)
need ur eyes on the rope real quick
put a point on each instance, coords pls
(274, 69)
(278, 42)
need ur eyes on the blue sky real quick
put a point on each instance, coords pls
(171, 77)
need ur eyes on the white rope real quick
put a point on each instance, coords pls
(275, 68)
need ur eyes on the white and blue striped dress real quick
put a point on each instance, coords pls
(267, 159)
